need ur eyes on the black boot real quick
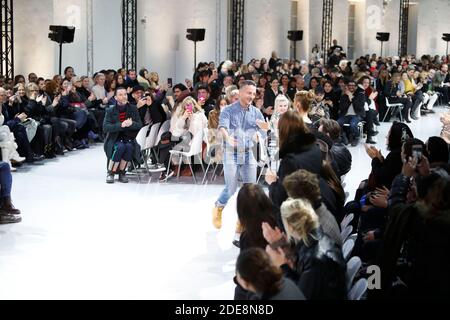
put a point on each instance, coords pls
(110, 177)
(8, 208)
(122, 177)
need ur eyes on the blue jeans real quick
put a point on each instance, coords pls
(353, 121)
(123, 150)
(235, 163)
(5, 180)
(80, 116)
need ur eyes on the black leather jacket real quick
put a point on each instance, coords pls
(320, 268)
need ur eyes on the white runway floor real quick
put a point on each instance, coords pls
(83, 239)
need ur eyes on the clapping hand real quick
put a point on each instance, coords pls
(127, 123)
(271, 177)
(277, 256)
(270, 234)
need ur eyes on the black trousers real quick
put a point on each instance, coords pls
(23, 145)
(407, 105)
(42, 139)
(445, 93)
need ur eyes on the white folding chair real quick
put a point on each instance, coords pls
(208, 153)
(264, 159)
(353, 237)
(353, 266)
(358, 290)
(165, 127)
(346, 221)
(346, 232)
(150, 142)
(347, 248)
(141, 140)
(391, 106)
(195, 150)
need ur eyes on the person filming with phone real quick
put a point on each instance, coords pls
(203, 99)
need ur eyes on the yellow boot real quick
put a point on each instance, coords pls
(217, 217)
(239, 228)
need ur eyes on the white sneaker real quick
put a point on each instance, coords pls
(157, 168)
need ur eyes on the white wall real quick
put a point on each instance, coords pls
(266, 25)
(163, 44)
(163, 47)
(433, 21)
(107, 34)
(33, 51)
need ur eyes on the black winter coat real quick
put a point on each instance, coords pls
(300, 152)
(320, 268)
(358, 101)
(113, 127)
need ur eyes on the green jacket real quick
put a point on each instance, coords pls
(112, 127)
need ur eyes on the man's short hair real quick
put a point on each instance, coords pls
(180, 87)
(203, 87)
(119, 88)
(247, 83)
(138, 88)
(302, 184)
(332, 128)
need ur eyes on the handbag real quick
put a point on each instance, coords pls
(31, 126)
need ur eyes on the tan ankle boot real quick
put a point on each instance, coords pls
(217, 217)
(239, 228)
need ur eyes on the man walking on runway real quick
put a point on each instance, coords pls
(238, 125)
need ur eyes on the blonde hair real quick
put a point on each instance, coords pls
(279, 100)
(229, 91)
(29, 87)
(189, 100)
(305, 99)
(301, 218)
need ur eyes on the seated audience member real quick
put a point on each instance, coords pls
(253, 208)
(16, 118)
(257, 274)
(384, 170)
(339, 152)
(352, 112)
(298, 150)
(314, 261)
(414, 252)
(270, 95)
(8, 214)
(319, 109)
(122, 124)
(8, 144)
(282, 105)
(430, 97)
(204, 100)
(72, 107)
(302, 103)
(214, 136)
(305, 185)
(412, 91)
(42, 142)
(188, 120)
(441, 83)
(395, 93)
(370, 108)
(331, 99)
